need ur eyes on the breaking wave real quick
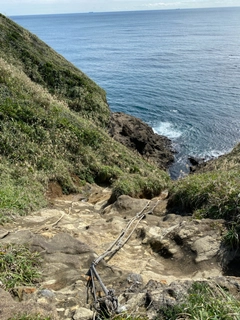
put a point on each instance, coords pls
(168, 130)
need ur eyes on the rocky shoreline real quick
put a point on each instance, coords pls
(140, 137)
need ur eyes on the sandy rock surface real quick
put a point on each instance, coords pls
(166, 251)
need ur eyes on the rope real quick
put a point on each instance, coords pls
(107, 305)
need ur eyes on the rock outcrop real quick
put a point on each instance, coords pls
(138, 136)
(163, 257)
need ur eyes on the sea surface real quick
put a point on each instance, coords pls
(177, 70)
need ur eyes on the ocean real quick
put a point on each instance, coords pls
(177, 70)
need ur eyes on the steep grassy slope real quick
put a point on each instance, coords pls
(44, 66)
(49, 135)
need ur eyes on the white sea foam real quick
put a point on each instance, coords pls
(167, 129)
(213, 154)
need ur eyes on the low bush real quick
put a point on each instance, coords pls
(140, 186)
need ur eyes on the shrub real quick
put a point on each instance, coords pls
(140, 186)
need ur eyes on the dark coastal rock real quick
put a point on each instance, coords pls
(137, 135)
(194, 163)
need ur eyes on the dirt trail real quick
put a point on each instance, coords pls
(164, 249)
(164, 246)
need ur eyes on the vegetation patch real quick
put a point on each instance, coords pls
(44, 66)
(128, 317)
(214, 194)
(231, 238)
(18, 266)
(140, 185)
(203, 302)
(20, 192)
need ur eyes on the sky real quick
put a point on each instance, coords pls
(26, 7)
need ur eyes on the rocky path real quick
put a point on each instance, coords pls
(165, 250)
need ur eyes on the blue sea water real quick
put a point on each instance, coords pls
(177, 70)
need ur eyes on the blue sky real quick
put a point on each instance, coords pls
(24, 7)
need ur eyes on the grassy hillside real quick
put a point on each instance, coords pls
(52, 120)
(49, 69)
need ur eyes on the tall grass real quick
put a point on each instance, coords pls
(213, 194)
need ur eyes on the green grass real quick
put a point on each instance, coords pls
(213, 194)
(204, 303)
(49, 69)
(18, 266)
(55, 130)
(20, 192)
(140, 185)
(231, 238)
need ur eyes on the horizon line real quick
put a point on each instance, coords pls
(118, 11)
